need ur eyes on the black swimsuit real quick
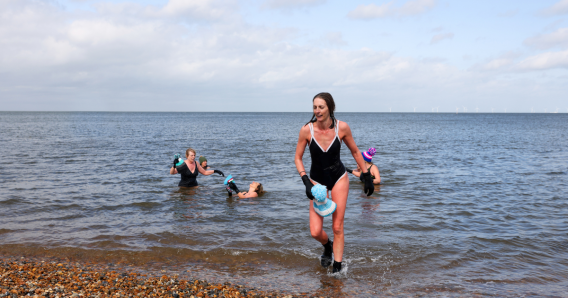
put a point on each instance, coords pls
(327, 167)
(188, 179)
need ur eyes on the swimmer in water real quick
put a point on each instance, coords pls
(203, 162)
(324, 131)
(190, 169)
(255, 189)
(368, 158)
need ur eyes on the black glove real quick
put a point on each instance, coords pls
(369, 187)
(349, 170)
(175, 162)
(219, 172)
(309, 186)
(234, 187)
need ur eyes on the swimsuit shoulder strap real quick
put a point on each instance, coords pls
(311, 131)
(336, 128)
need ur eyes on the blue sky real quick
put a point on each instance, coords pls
(274, 55)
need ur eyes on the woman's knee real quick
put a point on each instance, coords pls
(316, 231)
(337, 229)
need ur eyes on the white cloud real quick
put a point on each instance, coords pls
(547, 60)
(559, 8)
(290, 4)
(133, 57)
(550, 40)
(371, 11)
(409, 8)
(439, 37)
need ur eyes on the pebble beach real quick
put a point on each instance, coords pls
(34, 278)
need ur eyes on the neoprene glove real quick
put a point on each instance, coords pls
(219, 172)
(234, 187)
(369, 187)
(309, 186)
(175, 162)
(349, 170)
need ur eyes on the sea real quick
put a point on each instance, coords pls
(470, 204)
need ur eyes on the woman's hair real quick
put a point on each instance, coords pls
(259, 190)
(330, 105)
(189, 150)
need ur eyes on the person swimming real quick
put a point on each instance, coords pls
(203, 162)
(372, 168)
(189, 175)
(324, 131)
(255, 190)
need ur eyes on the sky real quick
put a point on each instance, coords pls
(275, 55)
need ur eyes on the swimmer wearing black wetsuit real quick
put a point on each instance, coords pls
(188, 176)
(324, 134)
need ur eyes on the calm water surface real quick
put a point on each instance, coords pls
(471, 204)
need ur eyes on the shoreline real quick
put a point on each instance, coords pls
(38, 277)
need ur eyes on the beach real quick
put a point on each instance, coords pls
(469, 204)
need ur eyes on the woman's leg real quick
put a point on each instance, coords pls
(339, 196)
(316, 225)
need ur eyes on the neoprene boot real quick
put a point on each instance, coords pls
(327, 252)
(336, 266)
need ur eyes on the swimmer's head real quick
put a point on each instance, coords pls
(368, 155)
(190, 154)
(323, 107)
(202, 161)
(257, 187)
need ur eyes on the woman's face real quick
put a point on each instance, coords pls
(254, 184)
(320, 109)
(191, 156)
(204, 164)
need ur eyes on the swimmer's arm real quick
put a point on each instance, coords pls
(300, 148)
(203, 171)
(375, 172)
(173, 171)
(350, 142)
(245, 195)
(356, 173)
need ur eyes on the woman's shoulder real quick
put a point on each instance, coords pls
(343, 126)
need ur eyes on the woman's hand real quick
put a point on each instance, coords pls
(369, 187)
(219, 172)
(309, 186)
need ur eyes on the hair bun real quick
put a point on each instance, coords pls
(372, 151)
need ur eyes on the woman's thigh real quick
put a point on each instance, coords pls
(339, 195)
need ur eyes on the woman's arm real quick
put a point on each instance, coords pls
(245, 195)
(375, 172)
(173, 171)
(300, 148)
(203, 171)
(350, 142)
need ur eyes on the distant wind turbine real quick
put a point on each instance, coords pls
(477, 110)
(414, 109)
(457, 109)
(491, 110)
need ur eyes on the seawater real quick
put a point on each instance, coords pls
(470, 204)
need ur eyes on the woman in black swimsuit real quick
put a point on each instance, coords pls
(324, 131)
(188, 176)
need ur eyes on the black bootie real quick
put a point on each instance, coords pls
(327, 252)
(336, 266)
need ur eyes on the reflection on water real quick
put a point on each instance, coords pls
(469, 204)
